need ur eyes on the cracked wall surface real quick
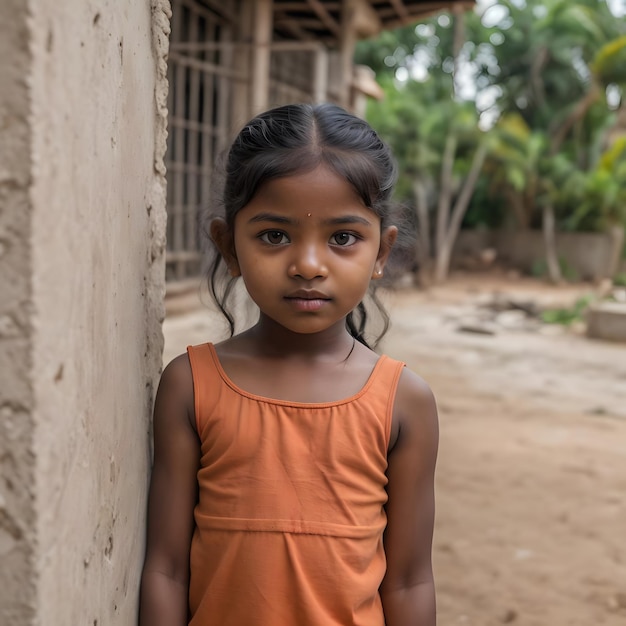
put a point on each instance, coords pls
(82, 190)
(17, 490)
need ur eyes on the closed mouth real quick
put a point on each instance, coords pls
(305, 294)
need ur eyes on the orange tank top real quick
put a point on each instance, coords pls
(290, 516)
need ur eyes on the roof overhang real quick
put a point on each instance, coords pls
(321, 20)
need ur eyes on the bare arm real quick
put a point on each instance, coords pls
(407, 591)
(173, 494)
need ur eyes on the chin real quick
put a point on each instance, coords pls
(307, 326)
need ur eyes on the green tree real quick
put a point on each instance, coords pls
(555, 78)
(435, 136)
(538, 78)
(524, 170)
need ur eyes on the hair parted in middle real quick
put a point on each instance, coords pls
(295, 139)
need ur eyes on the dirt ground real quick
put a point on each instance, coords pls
(531, 480)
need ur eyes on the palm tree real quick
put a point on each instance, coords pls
(607, 68)
(434, 134)
(555, 66)
(524, 171)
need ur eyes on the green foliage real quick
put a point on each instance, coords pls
(485, 210)
(539, 75)
(415, 120)
(601, 203)
(403, 121)
(610, 61)
(551, 96)
(542, 66)
(596, 199)
(619, 280)
(567, 316)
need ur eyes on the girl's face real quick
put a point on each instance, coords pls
(307, 248)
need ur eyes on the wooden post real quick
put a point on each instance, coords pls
(320, 75)
(261, 54)
(347, 43)
(242, 59)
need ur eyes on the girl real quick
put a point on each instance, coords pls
(293, 466)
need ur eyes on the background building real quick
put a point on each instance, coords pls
(232, 59)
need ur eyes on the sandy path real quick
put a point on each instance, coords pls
(531, 521)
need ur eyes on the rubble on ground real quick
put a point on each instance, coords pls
(493, 313)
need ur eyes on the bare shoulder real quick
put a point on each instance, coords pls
(178, 371)
(175, 392)
(415, 411)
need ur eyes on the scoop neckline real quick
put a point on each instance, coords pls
(294, 403)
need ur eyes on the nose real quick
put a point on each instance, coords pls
(308, 262)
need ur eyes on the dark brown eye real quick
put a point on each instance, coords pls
(343, 239)
(274, 237)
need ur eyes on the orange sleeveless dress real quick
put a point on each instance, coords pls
(290, 516)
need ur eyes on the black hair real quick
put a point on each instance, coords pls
(293, 139)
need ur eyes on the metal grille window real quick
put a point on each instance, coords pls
(201, 79)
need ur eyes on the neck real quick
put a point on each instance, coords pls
(276, 340)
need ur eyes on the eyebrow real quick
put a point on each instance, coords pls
(270, 217)
(281, 219)
(349, 219)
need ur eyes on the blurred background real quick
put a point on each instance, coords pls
(508, 122)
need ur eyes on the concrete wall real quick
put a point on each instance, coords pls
(83, 236)
(591, 256)
(17, 482)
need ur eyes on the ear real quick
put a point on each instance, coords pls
(387, 239)
(222, 237)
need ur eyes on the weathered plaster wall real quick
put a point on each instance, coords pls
(17, 506)
(82, 237)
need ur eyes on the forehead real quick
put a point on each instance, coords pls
(308, 192)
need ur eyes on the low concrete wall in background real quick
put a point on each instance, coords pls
(590, 256)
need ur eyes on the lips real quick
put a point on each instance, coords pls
(307, 300)
(307, 294)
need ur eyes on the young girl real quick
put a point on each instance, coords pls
(293, 466)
